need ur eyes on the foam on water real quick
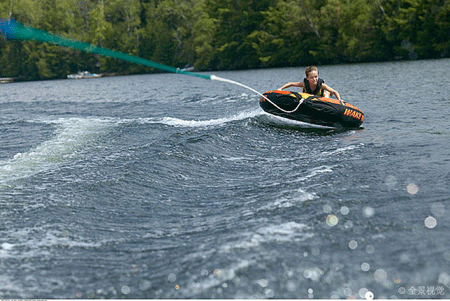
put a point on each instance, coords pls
(342, 150)
(286, 232)
(314, 172)
(35, 241)
(70, 137)
(248, 242)
(177, 122)
(289, 199)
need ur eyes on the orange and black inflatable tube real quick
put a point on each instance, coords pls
(314, 109)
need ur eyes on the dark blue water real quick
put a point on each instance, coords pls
(168, 186)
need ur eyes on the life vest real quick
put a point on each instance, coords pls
(317, 91)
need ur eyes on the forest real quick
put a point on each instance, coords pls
(223, 34)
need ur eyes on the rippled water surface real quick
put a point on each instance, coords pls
(169, 186)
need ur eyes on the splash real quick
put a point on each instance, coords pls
(72, 135)
(178, 122)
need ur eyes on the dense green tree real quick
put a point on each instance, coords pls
(289, 36)
(223, 34)
(360, 38)
(235, 21)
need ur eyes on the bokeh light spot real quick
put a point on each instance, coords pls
(368, 211)
(345, 210)
(368, 295)
(365, 267)
(332, 220)
(380, 275)
(263, 282)
(390, 182)
(348, 224)
(447, 255)
(353, 244)
(125, 290)
(412, 189)
(172, 277)
(269, 293)
(145, 285)
(430, 222)
(327, 209)
(370, 249)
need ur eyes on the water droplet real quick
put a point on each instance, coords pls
(447, 255)
(269, 293)
(444, 278)
(347, 292)
(412, 189)
(344, 210)
(368, 211)
(362, 292)
(380, 275)
(263, 282)
(430, 222)
(353, 244)
(307, 274)
(327, 209)
(145, 285)
(332, 220)
(172, 277)
(370, 249)
(390, 182)
(291, 286)
(125, 290)
(365, 267)
(368, 295)
(348, 224)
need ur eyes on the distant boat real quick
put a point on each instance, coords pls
(84, 74)
(5, 80)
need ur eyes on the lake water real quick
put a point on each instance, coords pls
(170, 186)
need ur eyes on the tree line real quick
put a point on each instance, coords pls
(223, 34)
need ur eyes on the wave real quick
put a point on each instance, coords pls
(247, 242)
(72, 134)
(286, 232)
(342, 149)
(178, 122)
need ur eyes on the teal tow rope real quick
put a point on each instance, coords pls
(13, 30)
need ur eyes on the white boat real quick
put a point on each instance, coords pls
(84, 74)
(5, 80)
